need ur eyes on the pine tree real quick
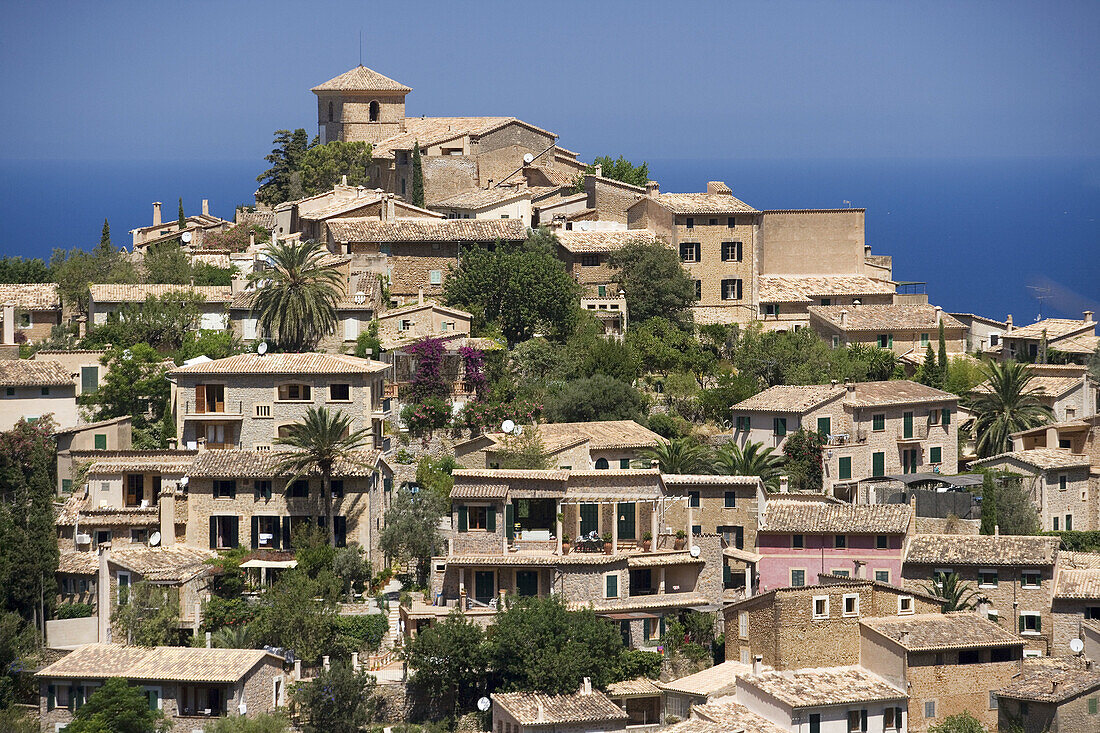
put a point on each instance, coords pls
(927, 372)
(941, 364)
(989, 504)
(183, 219)
(418, 177)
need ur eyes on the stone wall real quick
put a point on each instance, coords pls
(954, 688)
(411, 264)
(610, 198)
(836, 239)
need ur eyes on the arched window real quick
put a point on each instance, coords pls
(601, 463)
(331, 117)
(374, 111)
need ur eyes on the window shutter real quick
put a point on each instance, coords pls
(233, 522)
(491, 519)
(1039, 619)
(890, 341)
(200, 398)
(276, 534)
(340, 526)
(463, 526)
(509, 521)
(286, 533)
(255, 532)
(101, 441)
(945, 416)
(661, 626)
(233, 489)
(213, 533)
(1021, 624)
(51, 698)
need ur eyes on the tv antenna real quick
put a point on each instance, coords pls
(360, 46)
(1040, 293)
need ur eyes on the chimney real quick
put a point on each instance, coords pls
(757, 664)
(344, 180)
(833, 382)
(325, 662)
(490, 184)
(9, 324)
(905, 638)
(1008, 322)
(420, 296)
(784, 484)
(208, 644)
(156, 213)
(297, 669)
(652, 188)
(167, 501)
(586, 688)
(541, 711)
(355, 661)
(103, 592)
(996, 530)
(251, 238)
(1054, 685)
(850, 386)
(1088, 317)
(599, 171)
(844, 318)
(206, 207)
(718, 188)
(939, 315)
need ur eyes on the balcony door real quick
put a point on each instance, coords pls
(210, 398)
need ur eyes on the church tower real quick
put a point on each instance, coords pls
(360, 105)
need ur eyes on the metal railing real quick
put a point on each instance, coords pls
(919, 431)
(190, 408)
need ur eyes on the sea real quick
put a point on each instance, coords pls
(992, 237)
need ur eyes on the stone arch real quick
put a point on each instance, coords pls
(374, 108)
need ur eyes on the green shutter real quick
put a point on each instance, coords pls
(89, 379)
(1021, 624)
(509, 521)
(67, 485)
(878, 464)
(878, 422)
(51, 698)
(1092, 705)
(491, 519)
(101, 441)
(661, 626)
(590, 521)
(462, 523)
(890, 341)
(907, 425)
(824, 425)
(1039, 619)
(612, 583)
(255, 532)
(624, 463)
(213, 533)
(945, 416)
(935, 455)
(626, 519)
(846, 467)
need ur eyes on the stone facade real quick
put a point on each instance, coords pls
(360, 116)
(610, 198)
(1065, 497)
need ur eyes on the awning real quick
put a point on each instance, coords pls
(742, 555)
(628, 616)
(269, 564)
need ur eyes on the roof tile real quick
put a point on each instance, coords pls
(181, 664)
(786, 515)
(427, 230)
(878, 317)
(306, 363)
(934, 631)
(951, 549)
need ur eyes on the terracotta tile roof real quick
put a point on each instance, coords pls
(728, 716)
(481, 198)
(637, 687)
(896, 392)
(90, 513)
(341, 206)
(784, 515)
(695, 479)
(804, 288)
(559, 176)
(74, 562)
(1056, 328)
(530, 708)
(420, 230)
(264, 219)
(579, 242)
(1079, 560)
(884, 317)
(31, 296)
(1050, 386)
(132, 293)
(708, 681)
(663, 559)
(953, 549)
(27, 373)
(935, 631)
(1051, 680)
(479, 491)
(168, 461)
(512, 474)
(1044, 459)
(263, 464)
(808, 688)
(1084, 344)
(435, 305)
(173, 663)
(361, 79)
(309, 363)
(790, 398)
(429, 131)
(167, 563)
(703, 203)
(600, 434)
(1078, 583)
(977, 317)
(645, 603)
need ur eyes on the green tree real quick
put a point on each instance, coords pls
(323, 166)
(619, 169)
(75, 269)
(524, 451)
(681, 455)
(524, 288)
(964, 373)
(296, 613)
(655, 283)
(928, 372)
(962, 722)
(959, 596)
(134, 385)
(105, 235)
(182, 221)
(661, 346)
(236, 238)
(1009, 405)
(410, 532)
(596, 398)
(989, 504)
(17, 642)
(166, 262)
(450, 659)
(435, 475)
(149, 615)
(751, 460)
(715, 402)
(283, 181)
(941, 360)
(351, 566)
(165, 322)
(1016, 513)
(19, 270)
(231, 637)
(802, 462)
(417, 197)
(338, 700)
(297, 294)
(608, 357)
(118, 707)
(262, 723)
(368, 345)
(323, 441)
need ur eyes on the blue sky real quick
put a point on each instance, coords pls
(769, 80)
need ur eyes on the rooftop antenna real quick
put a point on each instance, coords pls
(1040, 293)
(360, 46)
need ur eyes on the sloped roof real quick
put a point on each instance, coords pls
(1051, 680)
(97, 516)
(724, 716)
(308, 363)
(807, 688)
(481, 198)
(152, 461)
(1047, 385)
(790, 398)
(1055, 328)
(895, 392)
(263, 464)
(703, 203)
(361, 79)
(430, 131)
(74, 562)
(579, 242)
(137, 293)
(1078, 583)
(884, 317)
(935, 631)
(530, 708)
(1044, 459)
(31, 296)
(172, 563)
(709, 680)
(785, 515)
(431, 230)
(637, 687)
(993, 550)
(804, 288)
(27, 373)
(426, 305)
(175, 663)
(600, 434)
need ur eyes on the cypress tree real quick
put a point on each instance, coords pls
(989, 504)
(105, 237)
(941, 366)
(183, 219)
(417, 195)
(926, 374)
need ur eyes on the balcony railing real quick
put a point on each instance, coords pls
(918, 432)
(190, 408)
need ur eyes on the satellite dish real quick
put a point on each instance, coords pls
(507, 426)
(695, 551)
(527, 158)
(1076, 646)
(518, 430)
(484, 703)
(261, 348)
(183, 481)
(185, 237)
(154, 540)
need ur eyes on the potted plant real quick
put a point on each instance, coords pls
(647, 541)
(681, 539)
(607, 543)
(565, 544)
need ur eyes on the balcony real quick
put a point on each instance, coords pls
(383, 408)
(214, 411)
(918, 433)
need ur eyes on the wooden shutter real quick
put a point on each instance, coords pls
(234, 521)
(51, 698)
(255, 532)
(340, 526)
(101, 441)
(945, 416)
(233, 489)
(213, 533)
(1021, 624)
(491, 519)
(286, 533)
(509, 521)
(200, 398)
(463, 524)
(276, 533)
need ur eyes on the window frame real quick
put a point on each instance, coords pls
(904, 601)
(798, 570)
(482, 511)
(983, 580)
(735, 284)
(822, 603)
(346, 386)
(691, 252)
(844, 612)
(729, 500)
(303, 388)
(1025, 574)
(732, 251)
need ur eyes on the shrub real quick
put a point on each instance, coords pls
(366, 629)
(220, 612)
(75, 610)
(432, 414)
(477, 415)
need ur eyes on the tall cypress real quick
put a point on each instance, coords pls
(183, 219)
(942, 362)
(417, 195)
(105, 236)
(926, 374)
(989, 504)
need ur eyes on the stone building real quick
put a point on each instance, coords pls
(423, 319)
(947, 662)
(610, 198)
(35, 389)
(1076, 339)
(191, 687)
(600, 444)
(1059, 483)
(106, 301)
(310, 217)
(30, 311)
(587, 255)
(983, 333)
(248, 400)
(1076, 601)
(1052, 696)
(499, 202)
(1067, 389)
(799, 538)
(1014, 577)
(191, 235)
(581, 712)
(785, 299)
(871, 429)
(901, 328)
(814, 625)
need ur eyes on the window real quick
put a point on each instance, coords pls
(945, 416)
(590, 261)
(689, 251)
(1069, 522)
(690, 222)
(261, 410)
(882, 576)
(923, 340)
(477, 517)
(1063, 483)
(731, 222)
(730, 500)
(624, 463)
(878, 422)
(209, 398)
(851, 604)
(611, 585)
(731, 289)
(1093, 707)
(824, 425)
(743, 624)
(265, 532)
(299, 489)
(331, 112)
(45, 391)
(744, 423)
(857, 721)
(693, 499)
(295, 393)
(844, 467)
(905, 605)
(968, 656)
(733, 534)
(882, 542)
(263, 490)
(779, 426)
(89, 378)
(815, 722)
(24, 320)
(929, 708)
(994, 339)
(798, 541)
(878, 464)
(1055, 523)
(886, 340)
(821, 606)
(771, 309)
(139, 535)
(992, 700)
(339, 392)
(101, 441)
(601, 463)
(404, 325)
(826, 301)
(373, 110)
(836, 342)
(987, 578)
(337, 487)
(223, 532)
(731, 251)
(935, 454)
(225, 489)
(798, 578)
(891, 719)
(840, 542)
(712, 222)
(435, 277)
(1030, 623)
(9, 391)
(1031, 579)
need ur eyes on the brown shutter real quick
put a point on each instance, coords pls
(200, 398)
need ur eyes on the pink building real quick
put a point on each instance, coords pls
(801, 537)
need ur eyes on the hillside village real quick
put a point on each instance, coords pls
(487, 437)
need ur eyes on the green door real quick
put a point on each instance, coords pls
(483, 586)
(824, 425)
(878, 464)
(527, 582)
(590, 518)
(909, 460)
(626, 519)
(907, 425)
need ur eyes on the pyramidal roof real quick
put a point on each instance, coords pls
(361, 79)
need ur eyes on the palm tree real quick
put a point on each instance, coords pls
(752, 460)
(296, 295)
(680, 455)
(231, 637)
(1007, 406)
(323, 440)
(959, 596)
